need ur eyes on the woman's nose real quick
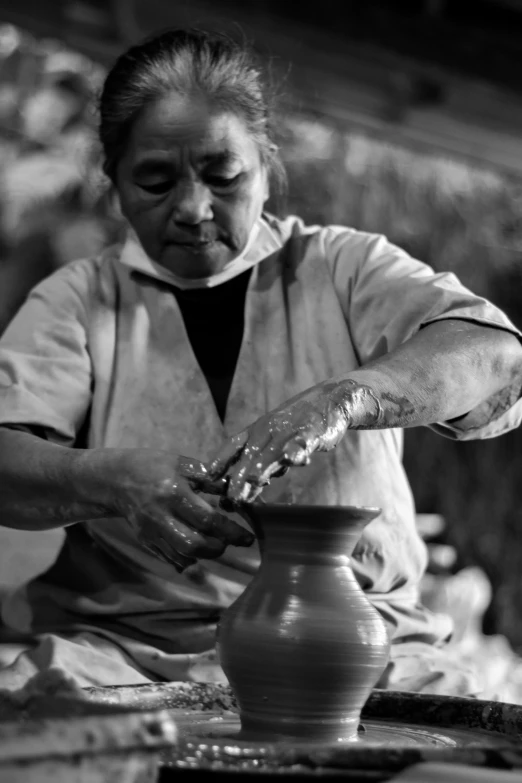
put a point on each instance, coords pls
(192, 203)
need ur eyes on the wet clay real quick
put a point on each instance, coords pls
(315, 420)
(302, 647)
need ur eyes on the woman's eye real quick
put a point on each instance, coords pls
(223, 182)
(157, 188)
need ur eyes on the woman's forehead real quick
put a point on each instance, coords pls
(174, 125)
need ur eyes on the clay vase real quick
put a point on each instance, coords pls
(302, 647)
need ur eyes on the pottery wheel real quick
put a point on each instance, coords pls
(398, 729)
(224, 730)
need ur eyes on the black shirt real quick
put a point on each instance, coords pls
(214, 319)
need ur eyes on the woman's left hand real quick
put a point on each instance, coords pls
(315, 420)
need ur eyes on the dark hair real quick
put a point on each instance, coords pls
(188, 62)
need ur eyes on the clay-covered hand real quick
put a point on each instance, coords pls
(315, 420)
(158, 494)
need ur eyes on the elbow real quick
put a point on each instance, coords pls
(507, 361)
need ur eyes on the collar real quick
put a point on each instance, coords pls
(263, 241)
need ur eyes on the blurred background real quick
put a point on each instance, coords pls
(402, 117)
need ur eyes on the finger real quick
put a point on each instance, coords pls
(210, 522)
(281, 472)
(165, 530)
(274, 459)
(297, 453)
(227, 455)
(252, 493)
(163, 551)
(198, 475)
(212, 486)
(249, 464)
(244, 475)
(238, 487)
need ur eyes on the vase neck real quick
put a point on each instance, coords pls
(308, 536)
(308, 532)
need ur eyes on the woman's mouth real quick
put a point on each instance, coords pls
(195, 246)
(193, 243)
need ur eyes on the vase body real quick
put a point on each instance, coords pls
(302, 647)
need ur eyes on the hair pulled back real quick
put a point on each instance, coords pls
(186, 62)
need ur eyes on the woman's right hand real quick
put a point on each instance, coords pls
(158, 496)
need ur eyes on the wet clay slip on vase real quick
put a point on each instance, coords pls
(302, 647)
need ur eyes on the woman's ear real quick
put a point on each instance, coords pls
(266, 187)
(273, 150)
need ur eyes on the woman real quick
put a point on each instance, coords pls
(145, 392)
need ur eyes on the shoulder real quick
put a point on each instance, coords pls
(81, 284)
(333, 243)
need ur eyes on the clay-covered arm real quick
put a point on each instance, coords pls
(44, 486)
(451, 370)
(47, 486)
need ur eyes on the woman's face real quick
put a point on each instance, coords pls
(192, 185)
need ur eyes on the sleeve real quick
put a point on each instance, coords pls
(387, 297)
(45, 367)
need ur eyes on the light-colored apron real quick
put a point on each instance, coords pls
(105, 596)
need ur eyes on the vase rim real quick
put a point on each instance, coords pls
(361, 512)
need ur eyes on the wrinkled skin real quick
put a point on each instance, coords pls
(315, 420)
(450, 371)
(161, 499)
(192, 185)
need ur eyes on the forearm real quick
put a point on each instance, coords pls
(449, 370)
(45, 486)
